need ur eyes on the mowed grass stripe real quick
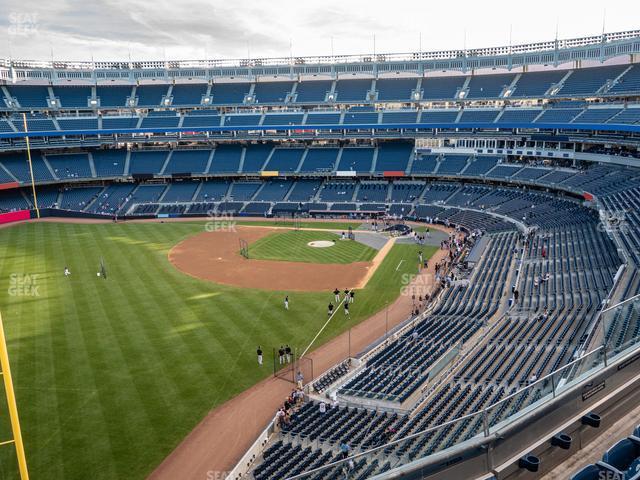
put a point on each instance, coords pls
(111, 375)
(292, 246)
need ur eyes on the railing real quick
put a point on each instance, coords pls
(494, 418)
(554, 45)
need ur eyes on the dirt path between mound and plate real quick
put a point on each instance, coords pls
(221, 439)
(215, 256)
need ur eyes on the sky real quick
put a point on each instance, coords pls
(226, 29)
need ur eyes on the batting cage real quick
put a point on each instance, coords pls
(291, 367)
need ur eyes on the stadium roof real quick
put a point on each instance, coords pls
(593, 49)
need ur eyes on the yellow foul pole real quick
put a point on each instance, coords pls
(33, 183)
(11, 403)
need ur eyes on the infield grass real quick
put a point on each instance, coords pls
(111, 375)
(292, 246)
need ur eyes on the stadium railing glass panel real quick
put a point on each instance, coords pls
(621, 328)
(489, 420)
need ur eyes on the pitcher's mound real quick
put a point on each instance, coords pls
(321, 244)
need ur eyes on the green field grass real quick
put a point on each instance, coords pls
(291, 246)
(111, 375)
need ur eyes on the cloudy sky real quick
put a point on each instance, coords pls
(194, 29)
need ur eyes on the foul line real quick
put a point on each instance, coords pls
(399, 264)
(323, 327)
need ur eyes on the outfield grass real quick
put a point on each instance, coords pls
(111, 375)
(291, 246)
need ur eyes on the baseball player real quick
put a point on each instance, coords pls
(259, 352)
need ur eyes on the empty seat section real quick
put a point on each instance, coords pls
(441, 88)
(481, 165)
(226, 159)
(366, 118)
(160, 121)
(272, 92)
(393, 156)
(70, 165)
(229, 93)
(180, 191)
(356, 159)
(489, 86)
(285, 159)
(78, 198)
(334, 191)
(114, 123)
(147, 162)
(398, 89)
(17, 164)
(424, 163)
(629, 83)
(628, 115)
(408, 116)
(372, 192)
(241, 120)
(323, 119)
(536, 84)
(212, 190)
(73, 96)
(188, 93)
(29, 96)
(79, 123)
(304, 190)
(438, 116)
(319, 160)
(242, 191)
(109, 163)
(113, 96)
(452, 164)
(151, 95)
(201, 118)
(588, 81)
(283, 119)
(187, 161)
(479, 116)
(274, 190)
(596, 115)
(353, 90)
(312, 91)
(255, 157)
(517, 115)
(558, 115)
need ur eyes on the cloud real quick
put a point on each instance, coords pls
(186, 29)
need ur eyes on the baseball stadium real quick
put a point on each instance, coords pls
(415, 265)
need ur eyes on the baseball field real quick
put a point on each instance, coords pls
(111, 374)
